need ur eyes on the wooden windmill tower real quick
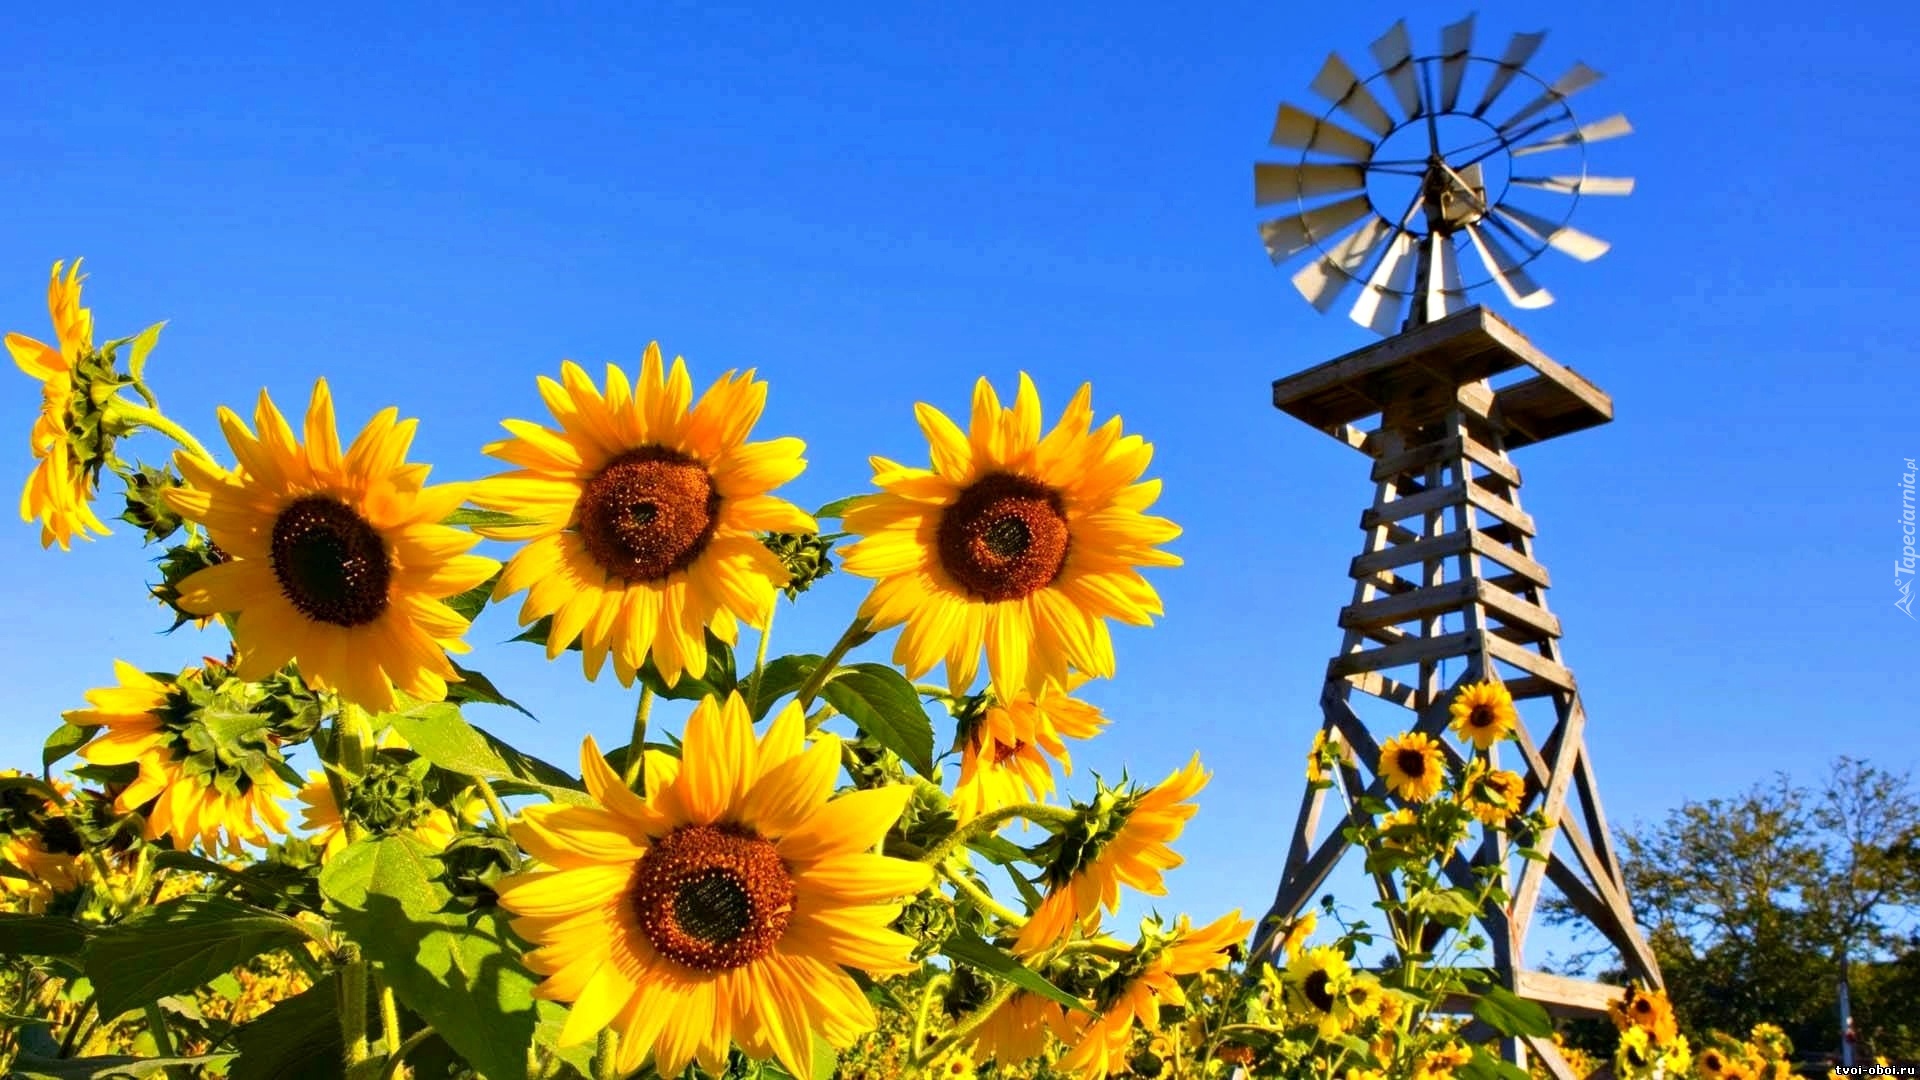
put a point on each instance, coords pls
(1448, 570)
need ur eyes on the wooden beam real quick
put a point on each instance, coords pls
(1514, 517)
(1401, 509)
(1441, 599)
(1420, 551)
(1413, 652)
(1529, 661)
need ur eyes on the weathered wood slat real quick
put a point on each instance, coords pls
(1445, 646)
(1413, 604)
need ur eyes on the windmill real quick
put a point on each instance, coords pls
(1410, 210)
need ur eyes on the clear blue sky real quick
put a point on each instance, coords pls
(877, 205)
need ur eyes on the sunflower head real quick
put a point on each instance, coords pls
(1316, 980)
(1492, 795)
(1413, 765)
(1483, 713)
(723, 906)
(1013, 542)
(642, 513)
(1006, 747)
(208, 768)
(336, 560)
(1295, 933)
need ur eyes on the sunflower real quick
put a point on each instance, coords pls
(1359, 999)
(643, 515)
(430, 825)
(339, 562)
(1439, 1064)
(1649, 1010)
(952, 1065)
(721, 907)
(1120, 840)
(1017, 1031)
(1130, 997)
(1013, 542)
(1483, 713)
(47, 872)
(1635, 1058)
(1397, 829)
(1294, 935)
(1413, 766)
(59, 493)
(1315, 981)
(1713, 1064)
(1492, 795)
(1317, 757)
(220, 796)
(1004, 758)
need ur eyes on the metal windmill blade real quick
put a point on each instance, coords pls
(1405, 168)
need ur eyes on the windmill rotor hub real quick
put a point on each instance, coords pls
(1412, 181)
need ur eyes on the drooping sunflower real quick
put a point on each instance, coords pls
(1022, 544)
(1648, 1009)
(1413, 766)
(1315, 981)
(1119, 840)
(337, 561)
(59, 493)
(219, 795)
(1017, 1031)
(644, 507)
(430, 825)
(1492, 795)
(1483, 713)
(1294, 935)
(1004, 758)
(1134, 994)
(720, 908)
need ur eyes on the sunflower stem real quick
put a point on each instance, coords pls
(157, 1027)
(121, 409)
(966, 1027)
(760, 664)
(389, 1017)
(351, 992)
(989, 823)
(982, 899)
(499, 811)
(604, 1055)
(933, 986)
(635, 774)
(856, 635)
(393, 1066)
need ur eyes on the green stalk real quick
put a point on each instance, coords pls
(933, 986)
(964, 1028)
(352, 996)
(856, 635)
(635, 774)
(605, 1054)
(389, 1018)
(982, 899)
(123, 410)
(392, 1069)
(760, 664)
(989, 823)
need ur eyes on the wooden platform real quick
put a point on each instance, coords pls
(1407, 377)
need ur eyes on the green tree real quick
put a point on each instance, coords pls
(1755, 904)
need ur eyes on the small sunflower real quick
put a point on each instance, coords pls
(1636, 1058)
(1713, 1064)
(1016, 543)
(1017, 1031)
(1120, 840)
(1359, 999)
(1294, 935)
(217, 788)
(1315, 981)
(1397, 828)
(1646, 1009)
(1483, 713)
(431, 825)
(952, 1065)
(1135, 997)
(59, 493)
(1354, 1072)
(337, 561)
(645, 508)
(1492, 795)
(1004, 758)
(723, 906)
(1413, 766)
(1440, 1063)
(1317, 757)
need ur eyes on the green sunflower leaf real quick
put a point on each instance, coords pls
(456, 972)
(178, 946)
(470, 603)
(1510, 1014)
(35, 1067)
(40, 935)
(838, 508)
(782, 676)
(884, 705)
(298, 1039)
(438, 733)
(65, 740)
(473, 515)
(475, 687)
(965, 948)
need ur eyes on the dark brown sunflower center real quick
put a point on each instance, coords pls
(1314, 989)
(331, 564)
(713, 897)
(1003, 753)
(1413, 763)
(1005, 537)
(648, 514)
(1481, 717)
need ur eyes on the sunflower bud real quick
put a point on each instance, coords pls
(928, 920)
(967, 990)
(179, 563)
(389, 797)
(147, 504)
(805, 557)
(1145, 1063)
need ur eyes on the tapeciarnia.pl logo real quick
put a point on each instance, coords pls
(1903, 566)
